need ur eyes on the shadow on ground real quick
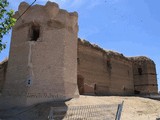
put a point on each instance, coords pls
(41, 111)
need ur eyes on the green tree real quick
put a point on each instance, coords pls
(6, 21)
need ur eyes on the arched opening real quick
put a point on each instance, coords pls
(80, 82)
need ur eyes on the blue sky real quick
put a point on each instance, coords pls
(131, 27)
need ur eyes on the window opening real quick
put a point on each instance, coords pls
(35, 32)
(140, 71)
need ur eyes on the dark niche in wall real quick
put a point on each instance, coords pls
(34, 32)
(140, 71)
(78, 61)
(109, 64)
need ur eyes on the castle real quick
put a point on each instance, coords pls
(48, 61)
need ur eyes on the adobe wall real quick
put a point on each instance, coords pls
(121, 74)
(3, 68)
(144, 74)
(42, 62)
(106, 72)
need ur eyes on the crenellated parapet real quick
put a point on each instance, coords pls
(49, 15)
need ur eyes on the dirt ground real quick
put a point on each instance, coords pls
(134, 108)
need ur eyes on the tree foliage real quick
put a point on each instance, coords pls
(6, 21)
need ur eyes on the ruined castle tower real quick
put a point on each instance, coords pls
(144, 75)
(43, 58)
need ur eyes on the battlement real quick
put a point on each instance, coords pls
(49, 14)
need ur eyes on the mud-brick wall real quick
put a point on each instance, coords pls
(91, 65)
(104, 72)
(121, 76)
(3, 67)
(145, 79)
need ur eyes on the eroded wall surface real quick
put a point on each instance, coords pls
(106, 72)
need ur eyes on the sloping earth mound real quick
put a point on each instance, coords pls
(134, 108)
